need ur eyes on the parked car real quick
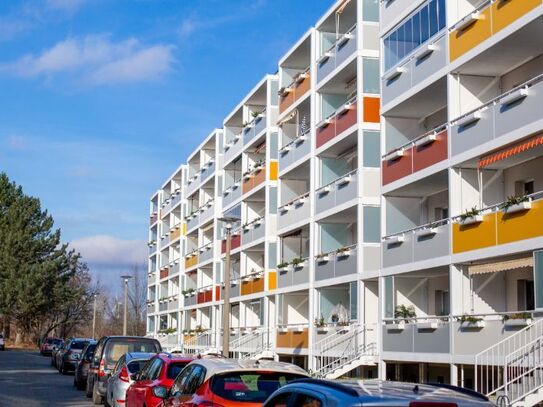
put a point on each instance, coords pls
(47, 345)
(55, 351)
(2, 344)
(108, 351)
(159, 372)
(228, 382)
(323, 393)
(82, 369)
(68, 357)
(122, 376)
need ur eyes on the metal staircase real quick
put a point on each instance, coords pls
(511, 371)
(253, 345)
(345, 350)
(200, 343)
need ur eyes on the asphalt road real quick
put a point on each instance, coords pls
(27, 379)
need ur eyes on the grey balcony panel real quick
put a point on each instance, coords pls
(340, 193)
(173, 305)
(399, 84)
(422, 68)
(324, 200)
(207, 214)
(189, 301)
(206, 255)
(297, 151)
(259, 231)
(324, 269)
(465, 137)
(398, 341)
(432, 245)
(163, 307)
(231, 197)
(152, 249)
(432, 340)
(207, 172)
(521, 113)
(325, 67)
(193, 222)
(165, 241)
(371, 258)
(193, 186)
(260, 125)
(233, 151)
(295, 214)
(395, 254)
(391, 9)
(300, 275)
(234, 290)
(254, 233)
(348, 191)
(346, 50)
(284, 278)
(345, 265)
(174, 268)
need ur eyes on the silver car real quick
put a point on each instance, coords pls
(122, 375)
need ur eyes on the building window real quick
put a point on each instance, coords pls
(370, 75)
(372, 224)
(389, 296)
(422, 25)
(371, 157)
(370, 10)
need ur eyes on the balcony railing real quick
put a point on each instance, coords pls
(253, 231)
(254, 127)
(420, 153)
(231, 194)
(293, 274)
(337, 192)
(205, 253)
(294, 211)
(252, 283)
(511, 111)
(153, 218)
(164, 240)
(253, 178)
(295, 91)
(235, 243)
(342, 49)
(200, 215)
(341, 120)
(295, 150)
(205, 294)
(341, 262)
(152, 247)
(233, 147)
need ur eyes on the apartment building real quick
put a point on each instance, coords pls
(462, 266)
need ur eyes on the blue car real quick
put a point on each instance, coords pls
(324, 393)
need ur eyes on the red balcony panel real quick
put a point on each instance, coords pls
(164, 272)
(217, 293)
(430, 154)
(200, 298)
(346, 120)
(326, 133)
(399, 168)
(235, 243)
(285, 101)
(208, 295)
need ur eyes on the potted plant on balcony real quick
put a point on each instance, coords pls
(343, 252)
(283, 266)
(334, 318)
(322, 257)
(199, 329)
(516, 204)
(402, 315)
(520, 319)
(471, 322)
(471, 216)
(321, 326)
(297, 263)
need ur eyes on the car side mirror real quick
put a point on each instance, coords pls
(161, 392)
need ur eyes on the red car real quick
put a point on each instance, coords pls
(158, 373)
(46, 347)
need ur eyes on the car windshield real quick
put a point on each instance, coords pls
(136, 365)
(174, 369)
(49, 341)
(250, 387)
(90, 349)
(78, 345)
(118, 348)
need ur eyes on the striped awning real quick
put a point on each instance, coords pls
(501, 266)
(511, 151)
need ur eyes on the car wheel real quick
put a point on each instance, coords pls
(96, 398)
(106, 403)
(88, 389)
(63, 370)
(52, 364)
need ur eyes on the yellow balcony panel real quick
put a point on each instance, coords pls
(272, 280)
(273, 170)
(513, 227)
(293, 339)
(246, 287)
(191, 261)
(258, 285)
(475, 236)
(463, 40)
(184, 229)
(283, 339)
(504, 12)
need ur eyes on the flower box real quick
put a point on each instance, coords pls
(396, 154)
(520, 207)
(323, 329)
(471, 220)
(344, 180)
(428, 139)
(282, 329)
(323, 259)
(298, 329)
(469, 119)
(325, 190)
(517, 323)
(469, 20)
(466, 325)
(396, 239)
(428, 325)
(426, 232)
(395, 73)
(397, 326)
(425, 51)
(343, 253)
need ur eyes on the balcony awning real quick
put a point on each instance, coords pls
(511, 151)
(501, 266)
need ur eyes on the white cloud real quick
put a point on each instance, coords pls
(15, 142)
(104, 250)
(66, 5)
(96, 59)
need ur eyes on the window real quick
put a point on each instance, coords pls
(280, 401)
(389, 296)
(426, 22)
(195, 380)
(370, 10)
(371, 149)
(181, 381)
(372, 224)
(305, 400)
(370, 75)
(174, 369)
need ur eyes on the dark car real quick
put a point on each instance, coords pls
(82, 369)
(323, 393)
(68, 357)
(108, 351)
(55, 351)
(47, 345)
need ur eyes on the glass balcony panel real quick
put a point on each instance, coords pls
(233, 196)
(294, 212)
(294, 151)
(337, 264)
(339, 192)
(464, 38)
(253, 233)
(412, 339)
(292, 276)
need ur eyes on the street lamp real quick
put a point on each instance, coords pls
(94, 317)
(125, 278)
(228, 225)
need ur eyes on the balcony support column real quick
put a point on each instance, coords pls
(454, 374)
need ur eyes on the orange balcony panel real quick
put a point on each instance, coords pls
(372, 109)
(513, 227)
(285, 101)
(461, 41)
(475, 236)
(326, 133)
(235, 243)
(258, 285)
(395, 169)
(217, 293)
(346, 120)
(175, 234)
(283, 339)
(187, 338)
(506, 12)
(274, 169)
(164, 273)
(300, 339)
(208, 295)
(184, 229)
(302, 87)
(430, 154)
(246, 287)
(272, 280)
(191, 261)
(256, 179)
(200, 298)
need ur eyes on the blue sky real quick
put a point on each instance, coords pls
(102, 99)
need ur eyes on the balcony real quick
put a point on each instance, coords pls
(234, 288)
(292, 336)
(497, 224)
(164, 240)
(420, 335)
(233, 147)
(231, 194)
(172, 201)
(174, 267)
(205, 253)
(294, 211)
(153, 219)
(485, 21)
(340, 121)
(255, 177)
(207, 170)
(291, 274)
(200, 215)
(152, 247)
(190, 299)
(423, 152)
(295, 91)
(338, 192)
(294, 151)
(164, 272)
(343, 48)
(341, 262)
(175, 233)
(254, 128)
(253, 231)
(252, 283)
(191, 260)
(235, 243)
(205, 294)
(424, 242)
(515, 111)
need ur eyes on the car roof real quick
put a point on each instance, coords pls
(215, 366)
(130, 356)
(368, 391)
(176, 357)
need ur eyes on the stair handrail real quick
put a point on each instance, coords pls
(260, 340)
(493, 361)
(338, 336)
(192, 344)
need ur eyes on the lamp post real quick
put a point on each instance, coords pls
(229, 221)
(125, 319)
(94, 318)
